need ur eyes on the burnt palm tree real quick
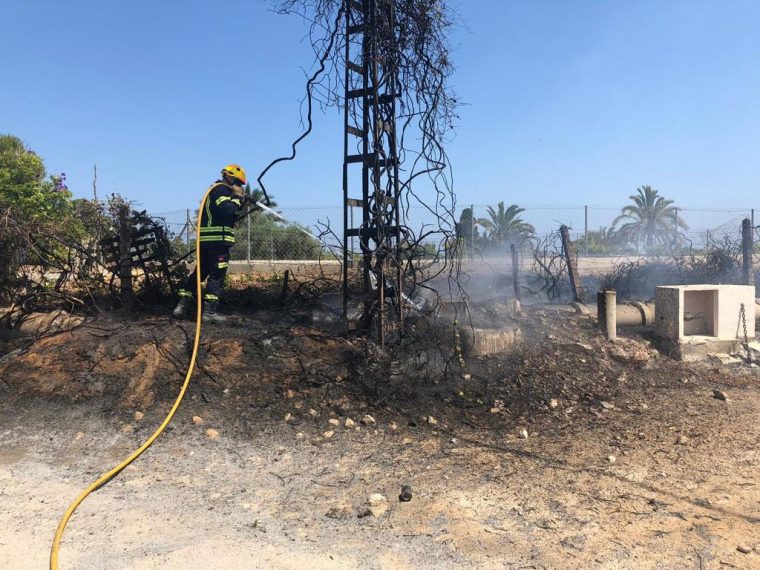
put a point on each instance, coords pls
(505, 224)
(651, 219)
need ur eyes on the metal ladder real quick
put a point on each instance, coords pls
(369, 142)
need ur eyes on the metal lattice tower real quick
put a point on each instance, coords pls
(370, 144)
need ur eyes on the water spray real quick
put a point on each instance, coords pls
(270, 211)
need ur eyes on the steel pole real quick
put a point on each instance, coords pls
(248, 249)
(747, 270)
(675, 228)
(585, 232)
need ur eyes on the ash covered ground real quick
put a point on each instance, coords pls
(293, 444)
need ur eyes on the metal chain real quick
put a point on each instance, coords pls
(745, 344)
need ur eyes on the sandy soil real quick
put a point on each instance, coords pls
(633, 465)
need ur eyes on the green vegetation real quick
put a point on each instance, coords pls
(467, 228)
(651, 221)
(604, 241)
(24, 186)
(38, 215)
(504, 225)
(272, 239)
(650, 224)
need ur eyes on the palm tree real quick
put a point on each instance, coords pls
(599, 241)
(505, 224)
(257, 195)
(651, 219)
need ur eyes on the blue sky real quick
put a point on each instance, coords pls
(565, 102)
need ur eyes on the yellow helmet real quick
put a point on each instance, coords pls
(234, 171)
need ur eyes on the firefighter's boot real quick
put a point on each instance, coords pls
(180, 310)
(210, 314)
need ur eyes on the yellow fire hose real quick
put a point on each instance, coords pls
(106, 477)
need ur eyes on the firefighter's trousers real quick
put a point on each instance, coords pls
(214, 261)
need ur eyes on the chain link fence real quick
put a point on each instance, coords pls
(317, 231)
(591, 227)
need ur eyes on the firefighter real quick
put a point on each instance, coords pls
(217, 236)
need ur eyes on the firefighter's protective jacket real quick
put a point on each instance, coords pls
(220, 214)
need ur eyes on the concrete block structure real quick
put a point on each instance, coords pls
(695, 321)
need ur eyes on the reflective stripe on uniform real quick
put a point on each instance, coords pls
(217, 238)
(209, 220)
(184, 293)
(222, 199)
(222, 233)
(217, 233)
(223, 264)
(217, 230)
(210, 297)
(208, 212)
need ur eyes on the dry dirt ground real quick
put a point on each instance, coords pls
(629, 461)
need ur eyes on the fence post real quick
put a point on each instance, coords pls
(284, 292)
(585, 231)
(749, 274)
(271, 245)
(187, 227)
(472, 232)
(571, 261)
(125, 253)
(248, 249)
(98, 218)
(675, 229)
(515, 270)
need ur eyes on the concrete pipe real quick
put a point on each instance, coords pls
(635, 314)
(483, 342)
(583, 309)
